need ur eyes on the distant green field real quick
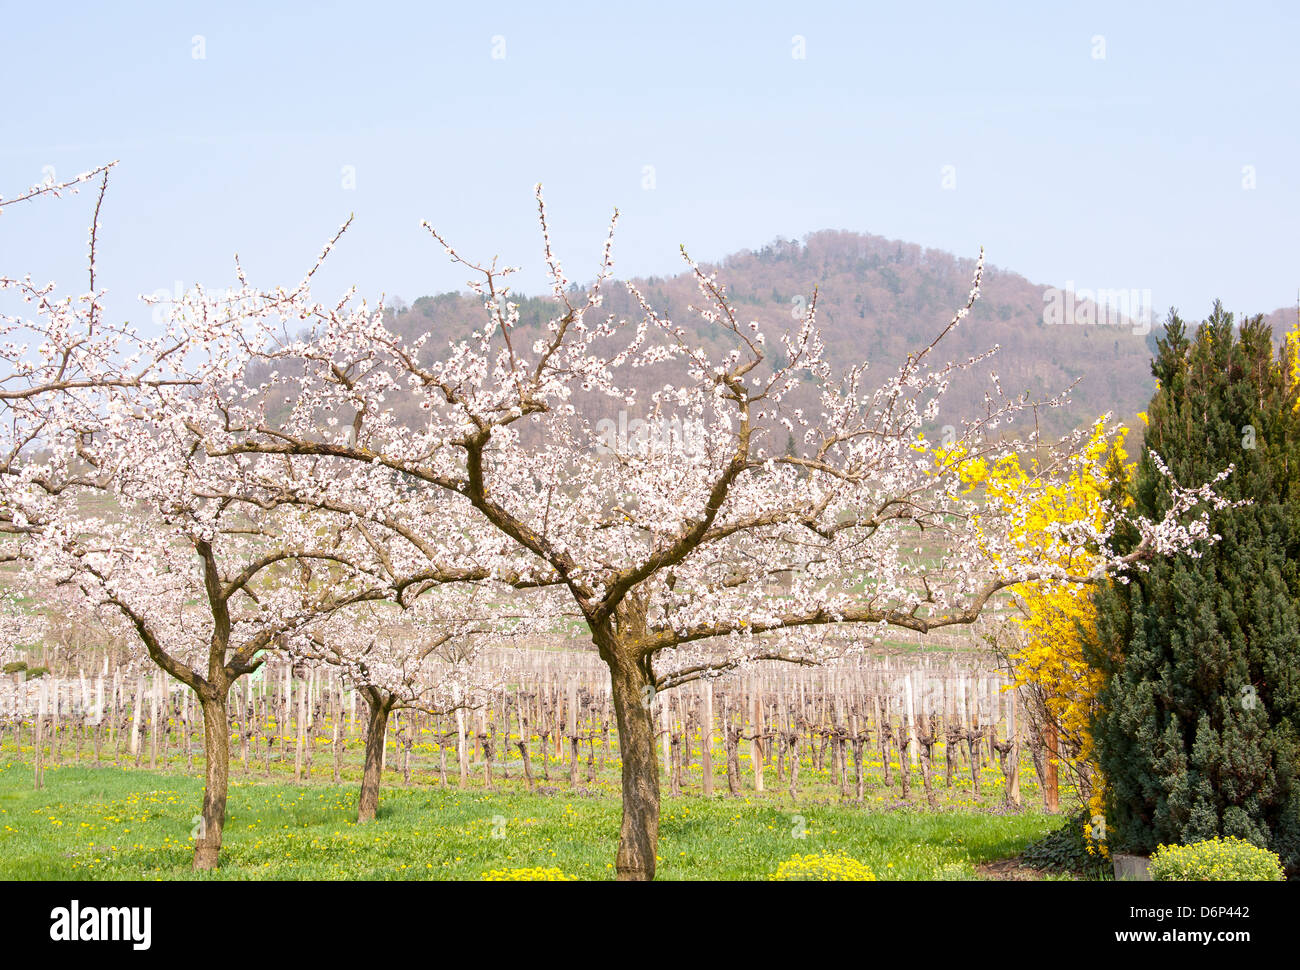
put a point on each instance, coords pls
(114, 823)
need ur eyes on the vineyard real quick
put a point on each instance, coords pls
(928, 729)
(920, 765)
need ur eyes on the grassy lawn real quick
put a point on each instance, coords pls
(114, 823)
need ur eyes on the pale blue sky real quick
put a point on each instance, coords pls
(1117, 172)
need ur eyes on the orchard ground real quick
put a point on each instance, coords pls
(104, 822)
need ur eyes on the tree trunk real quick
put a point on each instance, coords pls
(216, 754)
(376, 732)
(639, 835)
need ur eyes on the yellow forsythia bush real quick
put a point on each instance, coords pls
(533, 874)
(1055, 622)
(827, 867)
(1215, 860)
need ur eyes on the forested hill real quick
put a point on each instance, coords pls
(877, 300)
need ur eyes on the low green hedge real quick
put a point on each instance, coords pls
(1215, 860)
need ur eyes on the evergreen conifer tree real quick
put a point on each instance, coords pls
(1199, 730)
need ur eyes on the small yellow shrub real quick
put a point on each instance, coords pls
(826, 867)
(1215, 860)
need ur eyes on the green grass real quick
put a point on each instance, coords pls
(112, 823)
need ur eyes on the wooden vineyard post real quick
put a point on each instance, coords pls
(542, 725)
(545, 726)
(99, 716)
(338, 733)
(302, 734)
(839, 740)
(4, 719)
(904, 763)
(1005, 749)
(674, 741)
(911, 719)
(165, 726)
(778, 733)
(1051, 790)
(1013, 737)
(54, 721)
(38, 770)
(245, 722)
(503, 718)
(485, 738)
(573, 732)
(706, 737)
(664, 708)
(557, 724)
(926, 733)
(792, 742)
(137, 725)
(925, 736)
(114, 738)
(685, 716)
(605, 748)
(973, 736)
(84, 714)
(185, 730)
(406, 733)
(312, 702)
(443, 737)
(951, 734)
(522, 743)
(884, 734)
(154, 710)
(383, 749)
(462, 756)
(756, 739)
(731, 738)
(263, 724)
(857, 737)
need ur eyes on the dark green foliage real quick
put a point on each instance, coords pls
(1201, 715)
(1066, 850)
